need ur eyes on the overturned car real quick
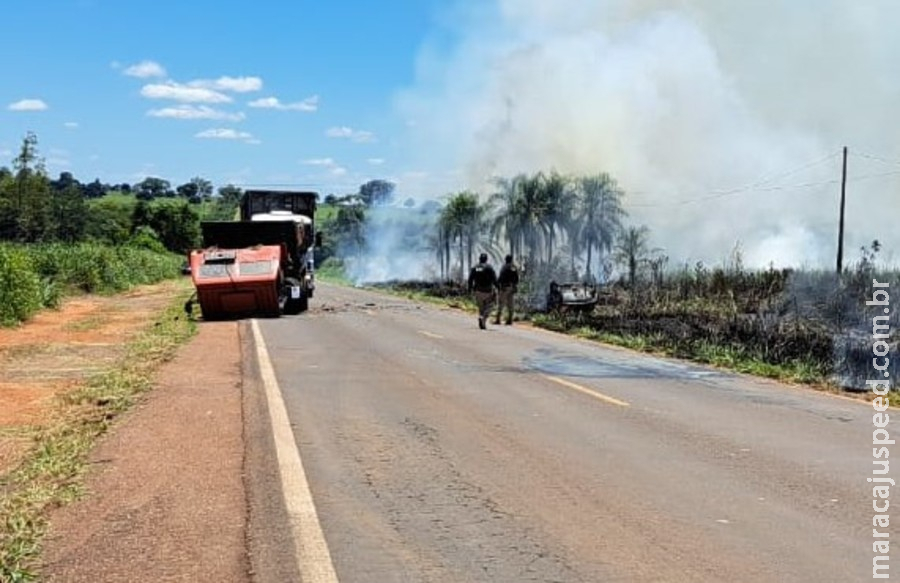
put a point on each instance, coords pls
(571, 297)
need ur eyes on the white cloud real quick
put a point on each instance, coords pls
(224, 134)
(359, 136)
(72, 125)
(185, 93)
(195, 112)
(28, 105)
(145, 69)
(375, 161)
(236, 84)
(328, 163)
(319, 162)
(308, 104)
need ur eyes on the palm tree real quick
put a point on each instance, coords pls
(440, 243)
(631, 250)
(556, 207)
(600, 216)
(505, 206)
(463, 221)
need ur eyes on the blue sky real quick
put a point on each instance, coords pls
(298, 93)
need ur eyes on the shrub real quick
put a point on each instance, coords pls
(38, 276)
(20, 286)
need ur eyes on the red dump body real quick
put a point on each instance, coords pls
(232, 282)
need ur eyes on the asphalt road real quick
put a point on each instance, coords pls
(435, 451)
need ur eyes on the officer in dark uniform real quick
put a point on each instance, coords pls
(483, 282)
(508, 285)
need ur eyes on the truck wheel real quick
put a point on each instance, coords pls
(304, 301)
(292, 305)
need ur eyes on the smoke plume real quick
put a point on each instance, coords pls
(723, 121)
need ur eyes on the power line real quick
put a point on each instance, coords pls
(768, 189)
(877, 158)
(723, 195)
(880, 175)
(752, 187)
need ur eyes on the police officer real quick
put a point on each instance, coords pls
(507, 284)
(483, 282)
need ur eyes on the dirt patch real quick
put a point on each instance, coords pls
(158, 510)
(58, 350)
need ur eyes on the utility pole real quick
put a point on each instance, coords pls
(840, 249)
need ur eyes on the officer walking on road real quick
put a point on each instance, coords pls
(508, 285)
(483, 282)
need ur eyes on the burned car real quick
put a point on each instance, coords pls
(571, 297)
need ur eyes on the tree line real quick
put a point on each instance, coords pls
(567, 226)
(570, 226)
(37, 209)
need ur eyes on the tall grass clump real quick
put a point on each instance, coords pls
(37, 276)
(20, 286)
(95, 268)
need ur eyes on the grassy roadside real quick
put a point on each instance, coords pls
(52, 475)
(728, 358)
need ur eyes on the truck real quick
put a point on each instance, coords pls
(261, 264)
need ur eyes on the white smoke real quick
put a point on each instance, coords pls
(397, 248)
(723, 121)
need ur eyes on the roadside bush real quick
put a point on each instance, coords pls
(146, 238)
(20, 286)
(38, 276)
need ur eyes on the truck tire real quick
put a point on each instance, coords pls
(293, 306)
(304, 301)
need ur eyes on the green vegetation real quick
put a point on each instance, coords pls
(37, 209)
(37, 276)
(332, 270)
(21, 288)
(53, 474)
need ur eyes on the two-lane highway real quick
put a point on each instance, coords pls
(435, 451)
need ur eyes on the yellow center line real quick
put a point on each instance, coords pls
(429, 334)
(587, 391)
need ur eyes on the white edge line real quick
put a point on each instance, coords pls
(310, 548)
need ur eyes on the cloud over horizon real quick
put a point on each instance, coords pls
(224, 134)
(184, 93)
(145, 69)
(344, 132)
(329, 164)
(308, 104)
(187, 111)
(28, 105)
(235, 84)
